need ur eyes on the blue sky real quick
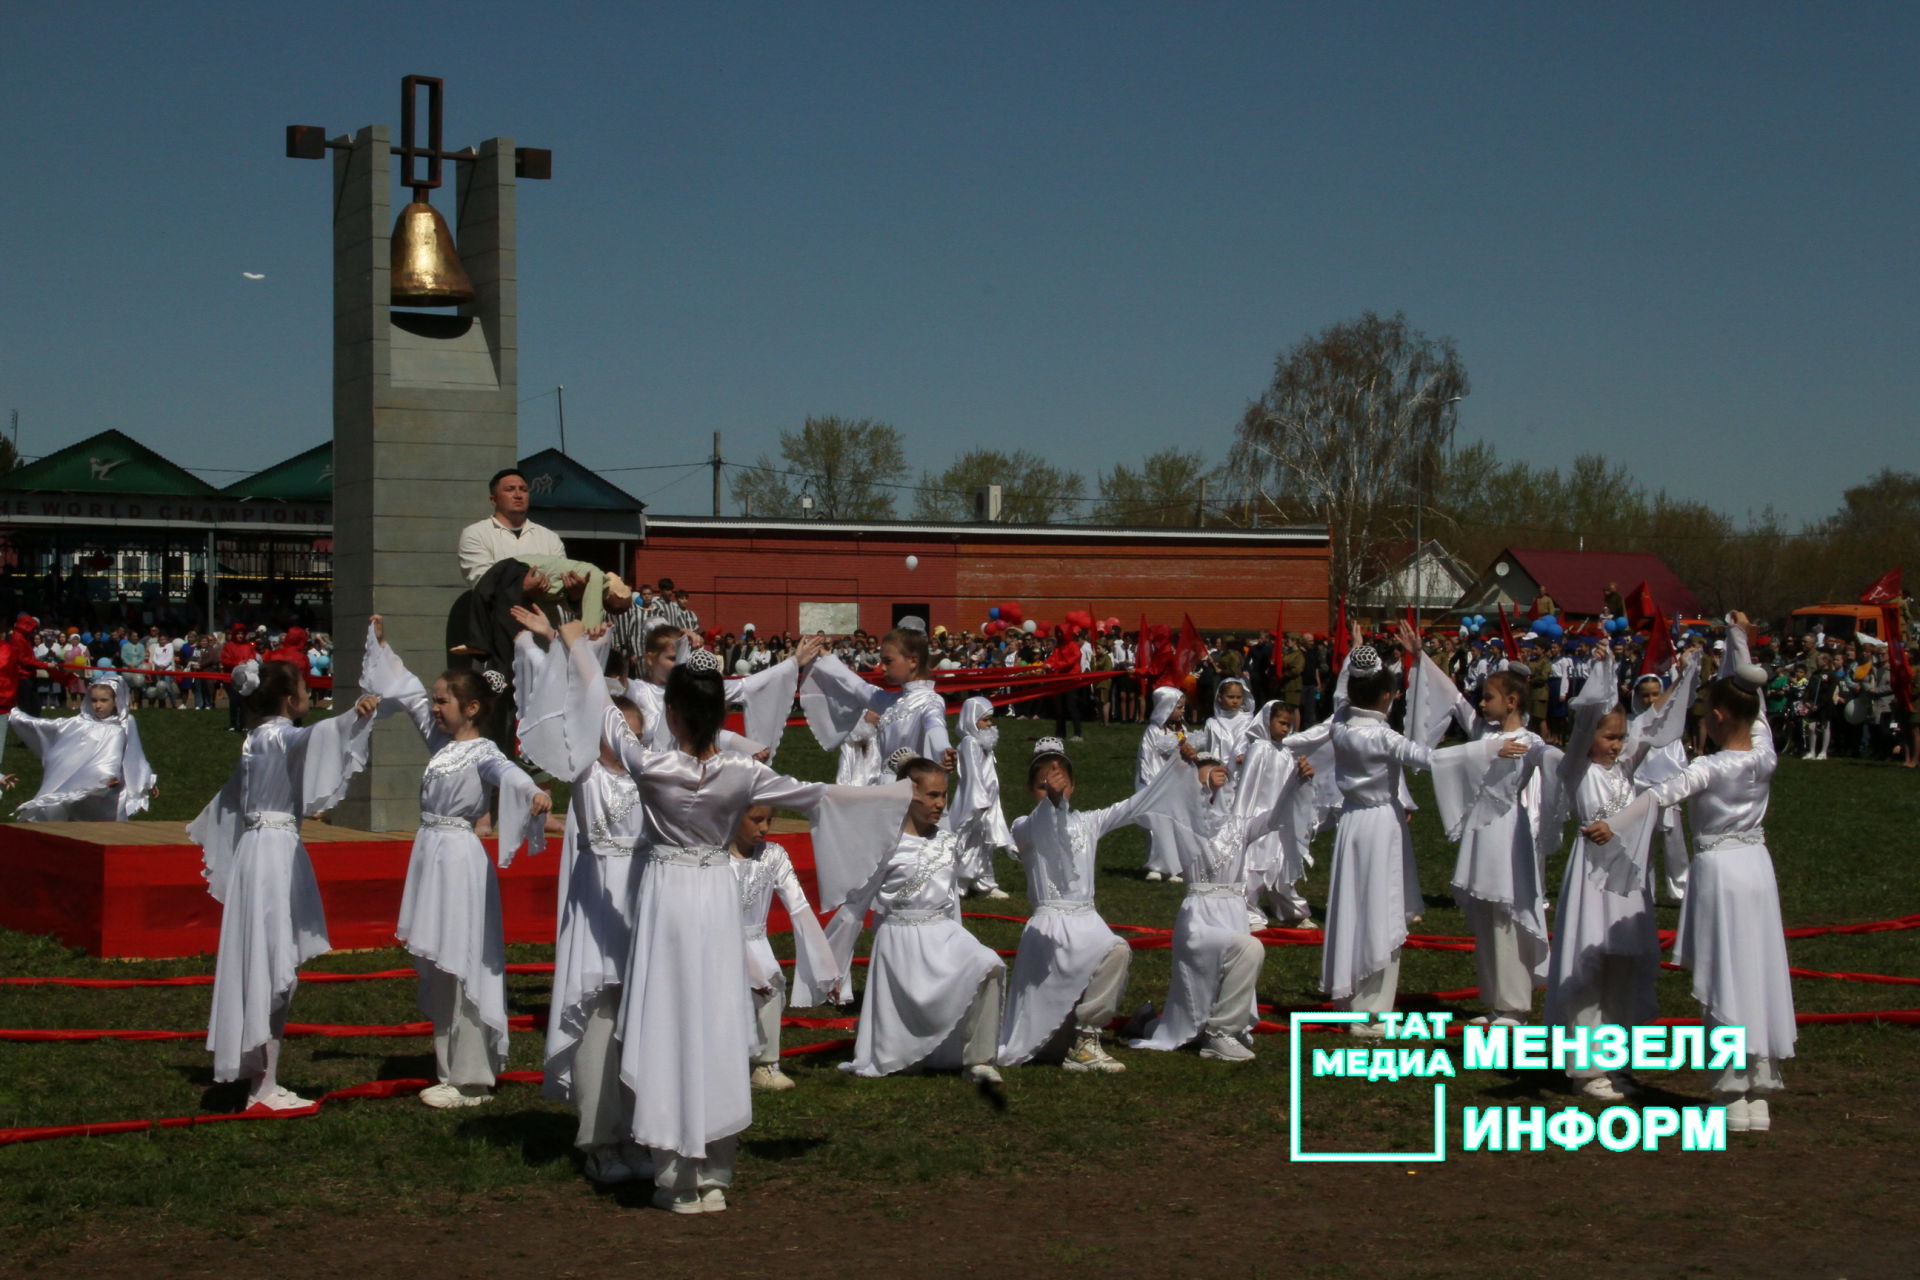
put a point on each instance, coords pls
(1680, 235)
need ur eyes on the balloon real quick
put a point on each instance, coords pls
(913, 562)
(1041, 630)
(994, 613)
(1188, 685)
(1013, 613)
(1548, 627)
(1028, 626)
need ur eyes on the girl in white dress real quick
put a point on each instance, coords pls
(913, 715)
(563, 728)
(933, 990)
(1606, 942)
(1232, 720)
(1278, 860)
(975, 814)
(1662, 763)
(859, 756)
(686, 1020)
(1070, 972)
(1375, 890)
(92, 766)
(271, 921)
(1730, 932)
(763, 869)
(450, 908)
(1164, 739)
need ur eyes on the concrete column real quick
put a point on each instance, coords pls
(424, 412)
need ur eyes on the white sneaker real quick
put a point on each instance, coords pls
(1220, 1047)
(1759, 1119)
(1739, 1119)
(677, 1201)
(1600, 1089)
(997, 894)
(1257, 921)
(281, 1099)
(713, 1199)
(770, 1079)
(1154, 877)
(444, 1096)
(1175, 880)
(1087, 1055)
(981, 1073)
(1367, 1030)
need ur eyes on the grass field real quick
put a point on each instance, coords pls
(1841, 835)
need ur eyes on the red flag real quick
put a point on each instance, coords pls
(1192, 650)
(1639, 604)
(1506, 634)
(1886, 590)
(1340, 639)
(1659, 654)
(1280, 623)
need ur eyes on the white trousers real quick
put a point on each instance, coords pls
(460, 1052)
(1101, 1000)
(767, 1008)
(1606, 1002)
(1506, 986)
(1673, 860)
(981, 1026)
(1233, 1008)
(1759, 1075)
(686, 1173)
(1375, 992)
(598, 1094)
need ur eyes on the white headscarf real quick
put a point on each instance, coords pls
(122, 696)
(1165, 698)
(972, 711)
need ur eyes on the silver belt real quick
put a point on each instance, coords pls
(1752, 835)
(695, 855)
(914, 916)
(1215, 891)
(1065, 906)
(272, 818)
(1348, 804)
(614, 846)
(445, 822)
(756, 932)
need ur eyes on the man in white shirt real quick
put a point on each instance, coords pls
(508, 534)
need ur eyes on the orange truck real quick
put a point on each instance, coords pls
(1841, 621)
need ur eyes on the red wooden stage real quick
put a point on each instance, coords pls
(133, 889)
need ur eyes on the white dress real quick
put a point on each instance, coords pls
(1226, 731)
(1266, 777)
(79, 756)
(272, 920)
(924, 970)
(769, 871)
(975, 814)
(836, 700)
(685, 1020)
(1159, 746)
(1376, 886)
(1731, 933)
(450, 907)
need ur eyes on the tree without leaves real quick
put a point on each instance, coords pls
(1167, 489)
(1351, 427)
(844, 465)
(1033, 491)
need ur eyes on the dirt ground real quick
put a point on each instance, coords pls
(1771, 1205)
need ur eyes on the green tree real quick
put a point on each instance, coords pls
(1168, 488)
(1033, 490)
(846, 467)
(1352, 428)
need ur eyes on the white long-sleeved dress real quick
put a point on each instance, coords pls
(835, 699)
(81, 757)
(975, 814)
(924, 969)
(1159, 746)
(272, 920)
(1375, 889)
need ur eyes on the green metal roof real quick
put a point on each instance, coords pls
(111, 462)
(305, 477)
(559, 481)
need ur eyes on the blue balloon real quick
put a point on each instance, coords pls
(994, 613)
(1548, 627)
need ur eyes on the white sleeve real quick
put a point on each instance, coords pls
(475, 559)
(519, 824)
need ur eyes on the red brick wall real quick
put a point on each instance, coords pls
(738, 577)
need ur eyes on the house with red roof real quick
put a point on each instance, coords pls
(1577, 580)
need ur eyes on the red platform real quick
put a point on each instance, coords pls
(133, 889)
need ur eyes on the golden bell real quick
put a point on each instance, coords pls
(426, 270)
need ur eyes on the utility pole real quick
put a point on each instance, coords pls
(560, 397)
(716, 460)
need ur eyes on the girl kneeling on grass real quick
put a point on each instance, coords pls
(272, 920)
(450, 910)
(93, 768)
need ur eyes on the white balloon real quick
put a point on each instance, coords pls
(1029, 626)
(913, 562)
